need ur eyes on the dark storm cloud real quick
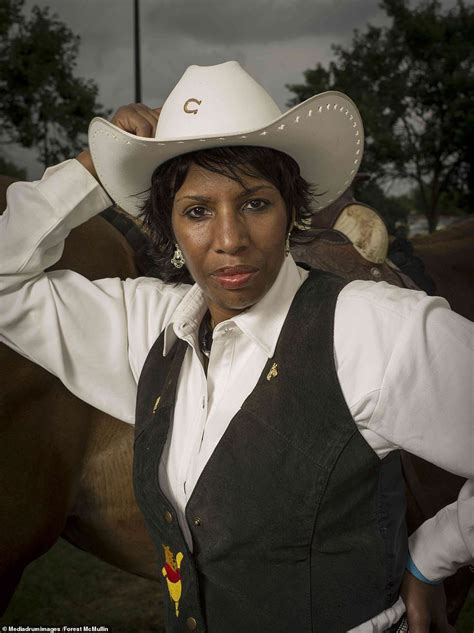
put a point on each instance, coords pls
(262, 21)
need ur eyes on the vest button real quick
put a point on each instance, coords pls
(197, 521)
(168, 517)
(191, 624)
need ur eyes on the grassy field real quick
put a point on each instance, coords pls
(69, 587)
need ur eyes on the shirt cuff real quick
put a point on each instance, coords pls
(444, 543)
(68, 187)
(413, 569)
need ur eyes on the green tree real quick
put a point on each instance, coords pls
(42, 103)
(414, 84)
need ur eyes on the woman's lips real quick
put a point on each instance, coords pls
(233, 277)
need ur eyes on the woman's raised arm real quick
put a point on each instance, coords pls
(76, 329)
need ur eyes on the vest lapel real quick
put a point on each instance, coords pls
(155, 404)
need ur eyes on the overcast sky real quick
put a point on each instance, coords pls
(274, 40)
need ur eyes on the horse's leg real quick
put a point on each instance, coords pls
(40, 464)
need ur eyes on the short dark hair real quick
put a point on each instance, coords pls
(234, 162)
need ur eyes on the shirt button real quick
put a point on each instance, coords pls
(168, 517)
(191, 624)
(197, 521)
(375, 272)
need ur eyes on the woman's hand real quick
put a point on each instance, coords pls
(138, 119)
(425, 605)
(135, 118)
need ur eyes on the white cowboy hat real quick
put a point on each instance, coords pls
(215, 106)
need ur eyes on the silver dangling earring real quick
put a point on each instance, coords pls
(177, 260)
(287, 244)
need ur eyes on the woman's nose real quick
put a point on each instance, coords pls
(231, 232)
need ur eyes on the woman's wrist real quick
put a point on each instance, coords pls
(413, 569)
(85, 159)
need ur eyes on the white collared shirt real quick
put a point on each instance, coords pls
(205, 406)
(404, 360)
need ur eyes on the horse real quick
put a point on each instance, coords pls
(448, 255)
(66, 468)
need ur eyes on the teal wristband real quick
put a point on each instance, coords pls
(413, 569)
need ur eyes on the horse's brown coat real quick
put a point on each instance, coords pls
(448, 256)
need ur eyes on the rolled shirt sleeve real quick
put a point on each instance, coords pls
(40, 215)
(445, 542)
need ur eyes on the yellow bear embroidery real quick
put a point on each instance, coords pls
(170, 571)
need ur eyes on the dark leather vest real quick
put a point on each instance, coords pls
(297, 525)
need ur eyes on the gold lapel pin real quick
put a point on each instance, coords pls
(273, 373)
(157, 402)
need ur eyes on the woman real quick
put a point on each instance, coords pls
(270, 401)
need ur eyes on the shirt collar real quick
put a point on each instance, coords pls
(262, 322)
(186, 319)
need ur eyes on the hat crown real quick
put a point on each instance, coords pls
(214, 100)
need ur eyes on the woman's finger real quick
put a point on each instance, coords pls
(136, 119)
(154, 112)
(149, 115)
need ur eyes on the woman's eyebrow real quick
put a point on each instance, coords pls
(245, 192)
(196, 198)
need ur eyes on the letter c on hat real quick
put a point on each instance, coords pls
(189, 110)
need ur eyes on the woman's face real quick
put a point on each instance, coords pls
(232, 237)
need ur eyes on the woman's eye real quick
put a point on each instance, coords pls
(256, 205)
(196, 213)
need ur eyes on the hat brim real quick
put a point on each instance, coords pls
(324, 135)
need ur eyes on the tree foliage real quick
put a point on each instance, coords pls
(42, 103)
(414, 84)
